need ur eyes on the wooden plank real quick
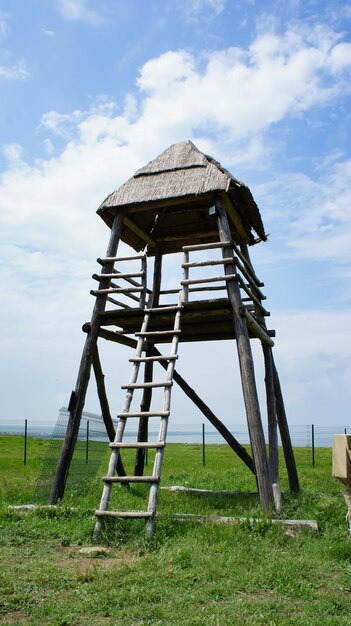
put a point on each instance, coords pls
(217, 519)
(208, 492)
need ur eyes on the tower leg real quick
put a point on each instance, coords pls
(285, 434)
(272, 427)
(247, 370)
(78, 396)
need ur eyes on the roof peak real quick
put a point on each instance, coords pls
(178, 156)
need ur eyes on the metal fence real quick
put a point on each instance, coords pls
(92, 445)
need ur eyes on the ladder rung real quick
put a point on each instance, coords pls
(146, 359)
(166, 383)
(161, 309)
(155, 333)
(103, 292)
(125, 514)
(137, 444)
(208, 246)
(215, 279)
(115, 276)
(207, 263)
(131, 479)
(145, 414)
(114, 259)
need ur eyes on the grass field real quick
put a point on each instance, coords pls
(188, 574)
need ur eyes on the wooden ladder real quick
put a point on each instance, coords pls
(143, 337)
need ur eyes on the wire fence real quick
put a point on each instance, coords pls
(92, 445)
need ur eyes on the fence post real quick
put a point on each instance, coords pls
(25, 441)
(312, 445)
(203, 446)
(87, 444)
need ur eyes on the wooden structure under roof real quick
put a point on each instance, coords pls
(181, 202)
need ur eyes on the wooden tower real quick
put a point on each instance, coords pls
(181, 202)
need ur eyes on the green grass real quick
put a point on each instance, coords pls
(188, 574)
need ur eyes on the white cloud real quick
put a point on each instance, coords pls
(228, 104)
(47, 32)
(10, 70)
(78, 10)
(195, 7)
(4, 26)
(17, 71)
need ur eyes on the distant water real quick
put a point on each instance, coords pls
(301, 435)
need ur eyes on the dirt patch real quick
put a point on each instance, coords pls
(72, 557)
(14, 618)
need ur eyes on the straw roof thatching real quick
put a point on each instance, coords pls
(167, 201)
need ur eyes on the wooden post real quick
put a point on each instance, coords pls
(25, 441)
(279, 407)
(285, 434)
(77, 400)
(148, 370)
(246, 369)
(272, 427)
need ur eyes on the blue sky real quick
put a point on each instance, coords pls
(90, 91)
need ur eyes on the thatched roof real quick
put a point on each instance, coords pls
(167, 201)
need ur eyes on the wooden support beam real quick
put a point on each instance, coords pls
(105, 409)
(285, 434)
(294, 524)
(247, 371)
(64, 461)
(234, 216)
(139, 231)
(215, 421)
(255, 328)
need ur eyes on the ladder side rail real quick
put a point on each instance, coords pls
(142, 301)
(106, 493)
(154, 488)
